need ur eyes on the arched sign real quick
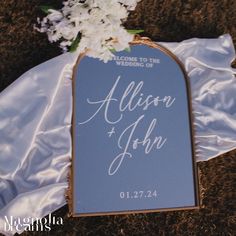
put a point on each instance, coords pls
(132, 134)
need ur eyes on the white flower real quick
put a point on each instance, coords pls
(54, 15)
(131, 4)
(97, 22)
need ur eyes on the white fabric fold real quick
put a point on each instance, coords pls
(35, 123)
(35, 140)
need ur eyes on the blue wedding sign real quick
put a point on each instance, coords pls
(132, 134)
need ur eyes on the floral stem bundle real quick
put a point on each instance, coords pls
(94, 26)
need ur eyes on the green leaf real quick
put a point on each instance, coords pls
(128, 49)
(112, 50)
(45, 8)
(138, 31)
(74, 44)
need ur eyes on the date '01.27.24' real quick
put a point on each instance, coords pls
(138, 194)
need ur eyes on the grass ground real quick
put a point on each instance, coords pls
(21, 48)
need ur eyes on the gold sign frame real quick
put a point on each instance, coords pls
(70, 192)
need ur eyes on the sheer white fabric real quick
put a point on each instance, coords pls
(35, 123)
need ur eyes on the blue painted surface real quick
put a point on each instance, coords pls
(155, 179)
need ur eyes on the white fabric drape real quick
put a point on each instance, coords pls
(35, 123)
